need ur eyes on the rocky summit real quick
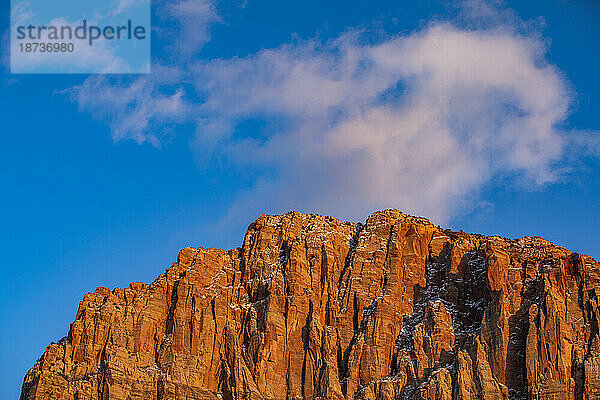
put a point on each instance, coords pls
(311, 307)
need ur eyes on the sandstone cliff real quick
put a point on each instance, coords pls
(311, 307)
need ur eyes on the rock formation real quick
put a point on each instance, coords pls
(314, 308)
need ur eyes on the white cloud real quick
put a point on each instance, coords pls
(144, 108)
(416, 122)
(134, 108)
(193, 19)
(419, 122)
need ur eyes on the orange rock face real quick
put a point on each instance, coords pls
(314, 308)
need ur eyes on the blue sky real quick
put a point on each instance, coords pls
(481, 116)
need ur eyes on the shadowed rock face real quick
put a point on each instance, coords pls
(311, 307)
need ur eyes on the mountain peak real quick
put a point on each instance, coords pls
(313, 307)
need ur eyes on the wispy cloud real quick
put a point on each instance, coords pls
(144, 108)
(189, 23)
(141, 109)
(419, 121)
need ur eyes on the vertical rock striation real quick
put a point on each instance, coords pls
(314, 308)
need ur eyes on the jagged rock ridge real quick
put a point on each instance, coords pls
(314, 308)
